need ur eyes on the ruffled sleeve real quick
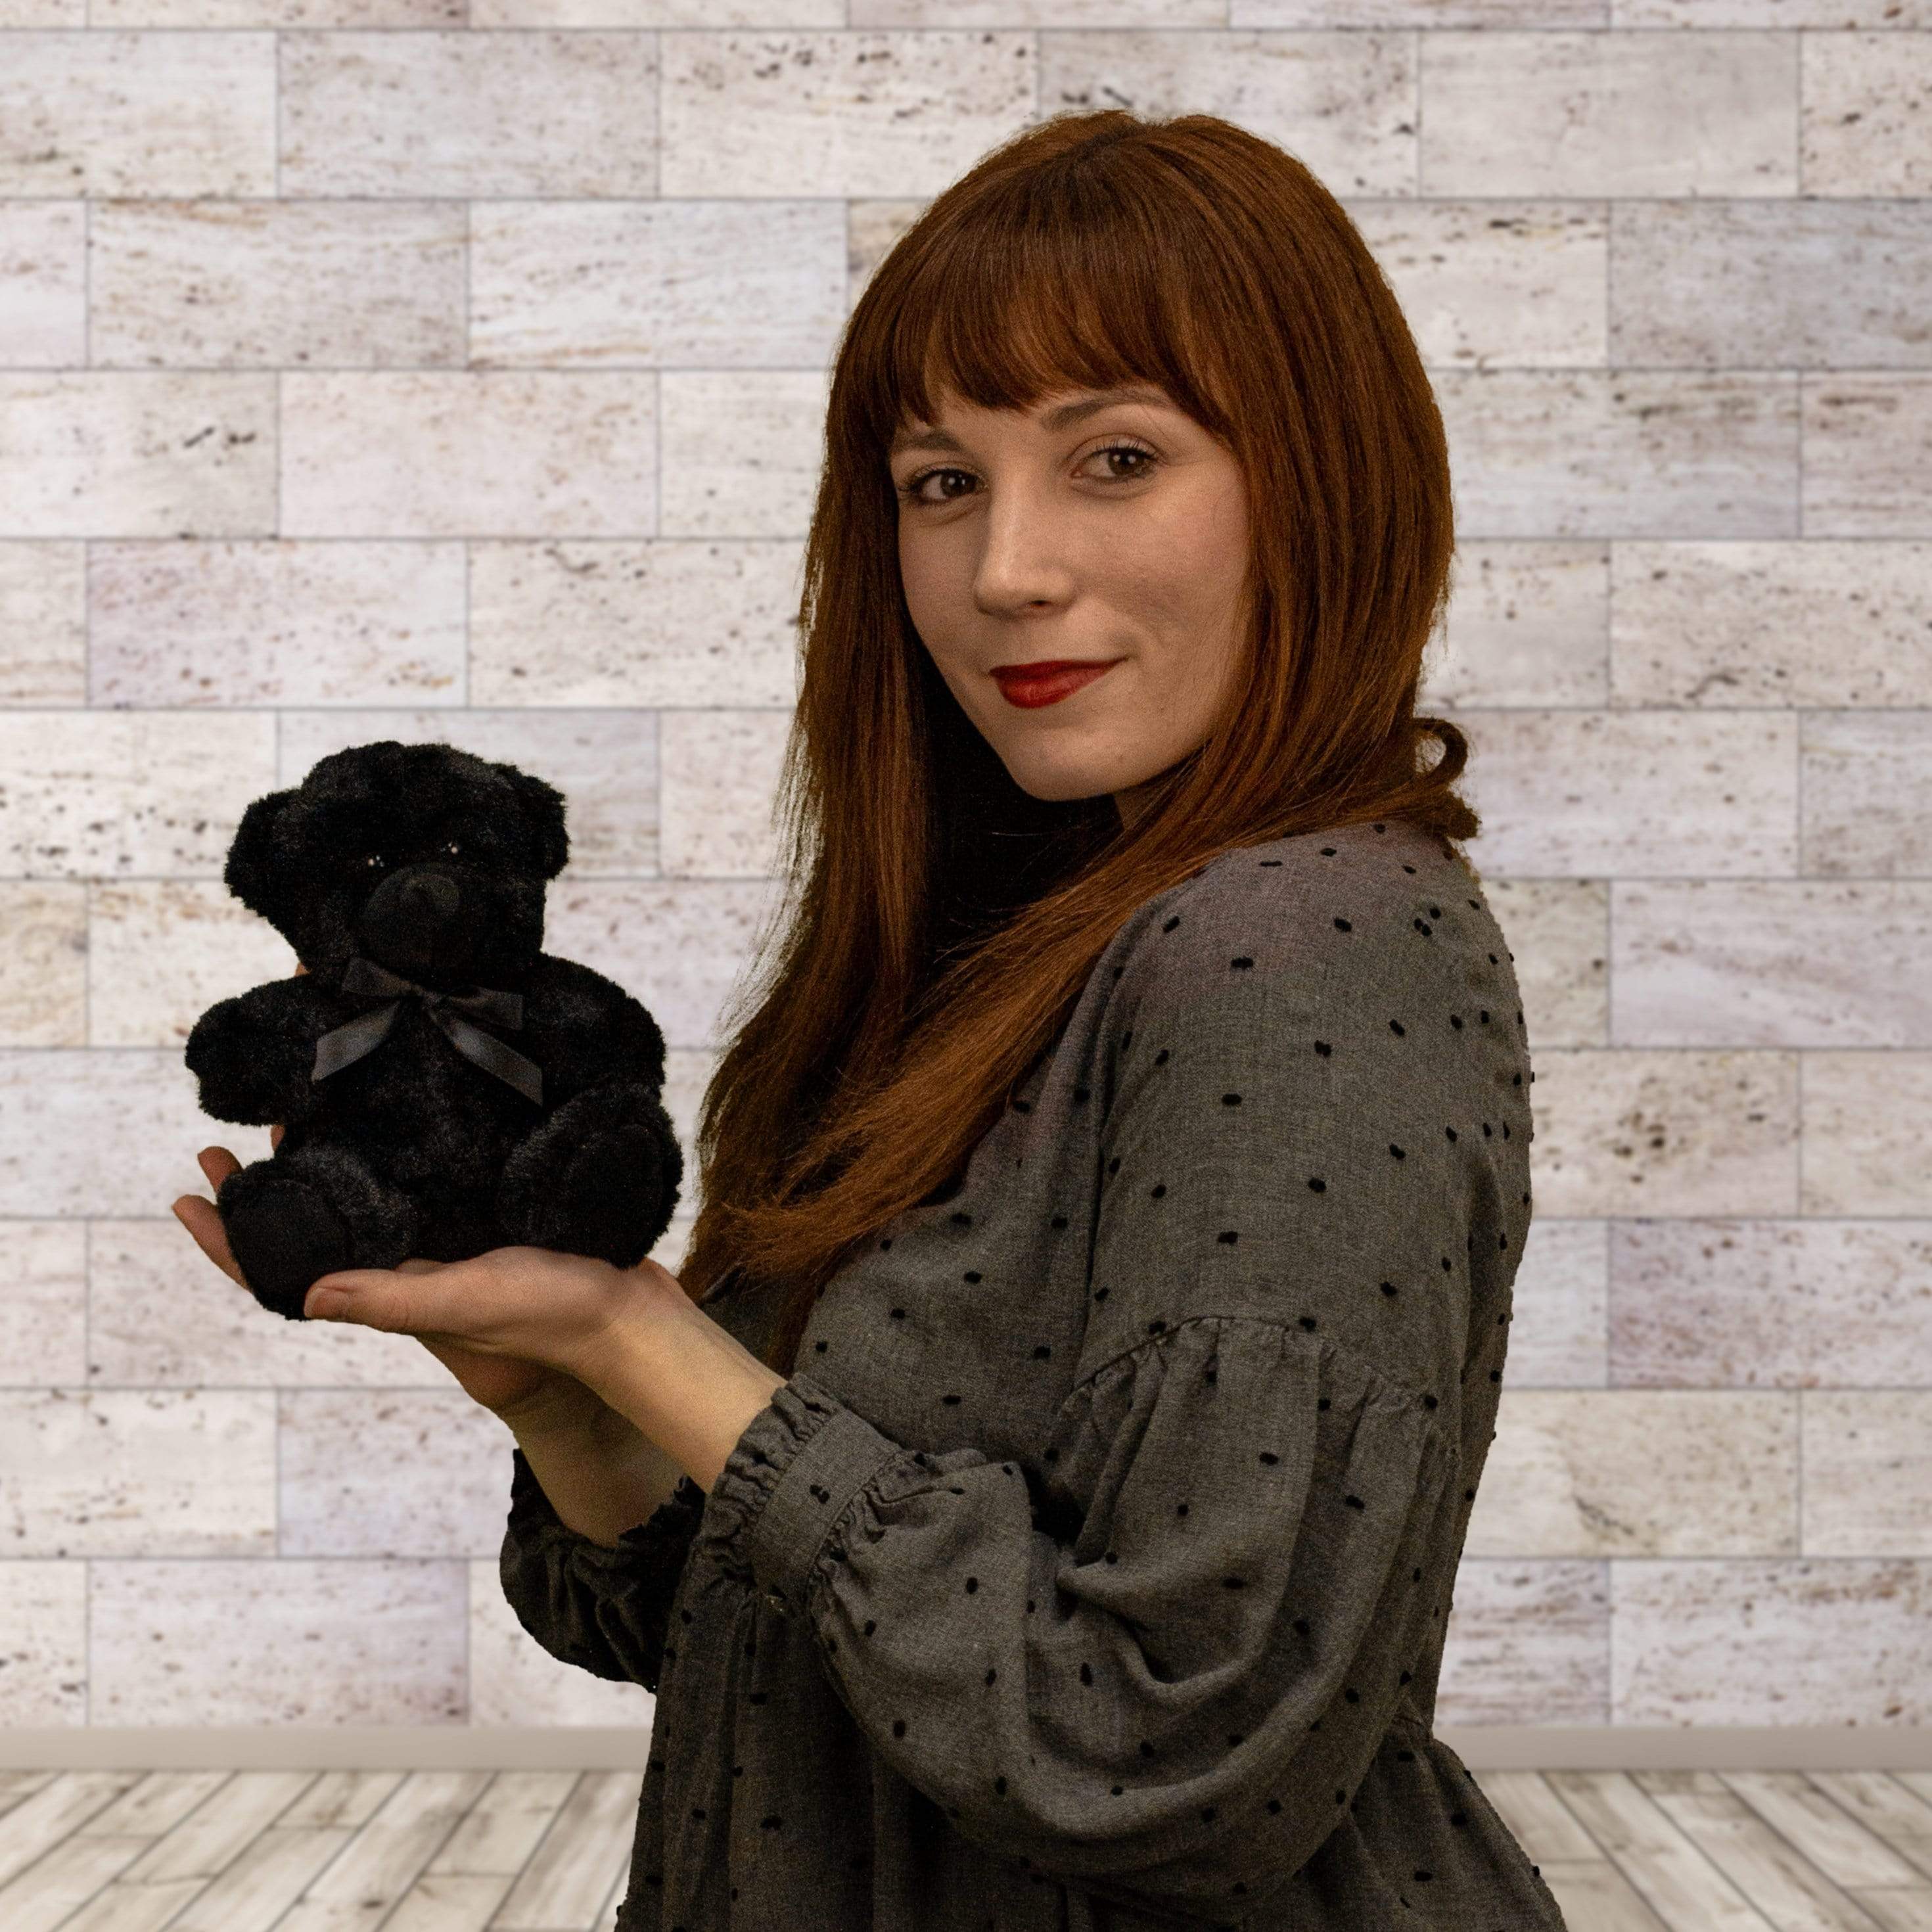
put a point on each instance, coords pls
(603, 1609)
(1162, 1675)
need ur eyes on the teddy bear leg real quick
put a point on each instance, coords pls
(599, 1177)
(296, 1216)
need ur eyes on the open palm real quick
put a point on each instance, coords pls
(507, 1385)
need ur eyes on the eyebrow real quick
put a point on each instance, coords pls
(1053, 420)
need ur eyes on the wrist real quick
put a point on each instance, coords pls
(684, 1382)
(566, 1411)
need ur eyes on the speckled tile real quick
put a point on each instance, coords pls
(310, 284)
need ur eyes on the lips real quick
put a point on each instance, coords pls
(1031, 686)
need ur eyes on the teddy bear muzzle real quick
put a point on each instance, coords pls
(414, 923)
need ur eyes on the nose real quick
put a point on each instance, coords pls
(430, 897)
(411, 917)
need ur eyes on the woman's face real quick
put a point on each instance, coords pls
(1027, 539)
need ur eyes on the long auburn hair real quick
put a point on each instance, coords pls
(940, 922)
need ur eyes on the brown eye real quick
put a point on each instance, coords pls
(452, 848)
(373, 859)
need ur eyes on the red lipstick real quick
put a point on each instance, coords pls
(1030, 685)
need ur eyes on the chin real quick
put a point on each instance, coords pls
(1057, 788)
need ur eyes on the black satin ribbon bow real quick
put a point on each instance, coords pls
(344, 1045)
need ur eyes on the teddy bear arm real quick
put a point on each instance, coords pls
(636, 1049)
(254, 1055)
(595, 1034)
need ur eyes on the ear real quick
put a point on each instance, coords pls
(257, 871)
(543, 808)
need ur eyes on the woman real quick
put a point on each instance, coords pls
(1050, 1517)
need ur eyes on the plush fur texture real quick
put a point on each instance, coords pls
(431, 863)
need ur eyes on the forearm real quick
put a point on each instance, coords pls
(602, 1477)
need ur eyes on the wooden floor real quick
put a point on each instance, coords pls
(549, 1851)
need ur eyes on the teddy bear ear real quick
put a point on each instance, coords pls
(543, 808)
(257, 872)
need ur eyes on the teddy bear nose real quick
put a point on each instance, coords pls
(429, 896)
(413, 920)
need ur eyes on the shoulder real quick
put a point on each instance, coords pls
(1312, 1097)
(1349, 909)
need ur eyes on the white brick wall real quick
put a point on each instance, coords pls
(366, 373)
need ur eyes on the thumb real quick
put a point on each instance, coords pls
(367, 1295)
(327, 1299)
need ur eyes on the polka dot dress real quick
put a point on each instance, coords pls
(1092, 1569)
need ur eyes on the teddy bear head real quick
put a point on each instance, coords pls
(428, 860)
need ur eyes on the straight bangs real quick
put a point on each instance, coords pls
(1010, 306)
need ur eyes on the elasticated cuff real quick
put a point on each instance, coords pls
(789, 1480)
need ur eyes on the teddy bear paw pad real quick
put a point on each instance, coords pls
(283, 1239)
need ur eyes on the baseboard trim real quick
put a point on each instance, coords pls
(462, 1748)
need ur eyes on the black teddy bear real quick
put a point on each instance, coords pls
(446, 1086)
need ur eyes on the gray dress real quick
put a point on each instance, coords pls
(1092, 1569)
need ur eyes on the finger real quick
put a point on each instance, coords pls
(217, 1163)
(400, 1301)
(369, 1296)
(203, 1220)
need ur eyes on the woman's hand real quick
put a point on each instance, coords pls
(518, 1389)
(503, 1323)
